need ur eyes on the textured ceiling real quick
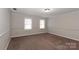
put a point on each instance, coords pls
(40, 11)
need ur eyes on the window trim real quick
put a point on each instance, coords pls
(43, 23)
(26, 25)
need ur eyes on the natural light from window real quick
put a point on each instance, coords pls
(42, 24)
(27, 24)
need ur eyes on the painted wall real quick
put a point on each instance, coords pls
(17, 25)
(66, 25)
(4, 28)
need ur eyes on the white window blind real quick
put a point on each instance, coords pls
(28, 24)
(42, 24)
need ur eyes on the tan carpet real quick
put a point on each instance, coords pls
(43, 41)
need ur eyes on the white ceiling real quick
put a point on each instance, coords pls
(40, 12)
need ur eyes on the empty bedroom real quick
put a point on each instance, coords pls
(39, 28)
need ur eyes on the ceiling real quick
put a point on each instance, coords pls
(40, 11)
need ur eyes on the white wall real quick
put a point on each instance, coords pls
(66, 25)
(4, 28)
(17, 25)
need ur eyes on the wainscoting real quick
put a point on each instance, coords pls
(4, 40)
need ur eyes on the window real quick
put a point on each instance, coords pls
(28, 24)
(42, 24)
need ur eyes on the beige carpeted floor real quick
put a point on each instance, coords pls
(43, 41)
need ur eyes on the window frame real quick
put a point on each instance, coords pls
(42, 24)
(25, 24)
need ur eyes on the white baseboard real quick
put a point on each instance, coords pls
(26, 35)
(65, 36)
